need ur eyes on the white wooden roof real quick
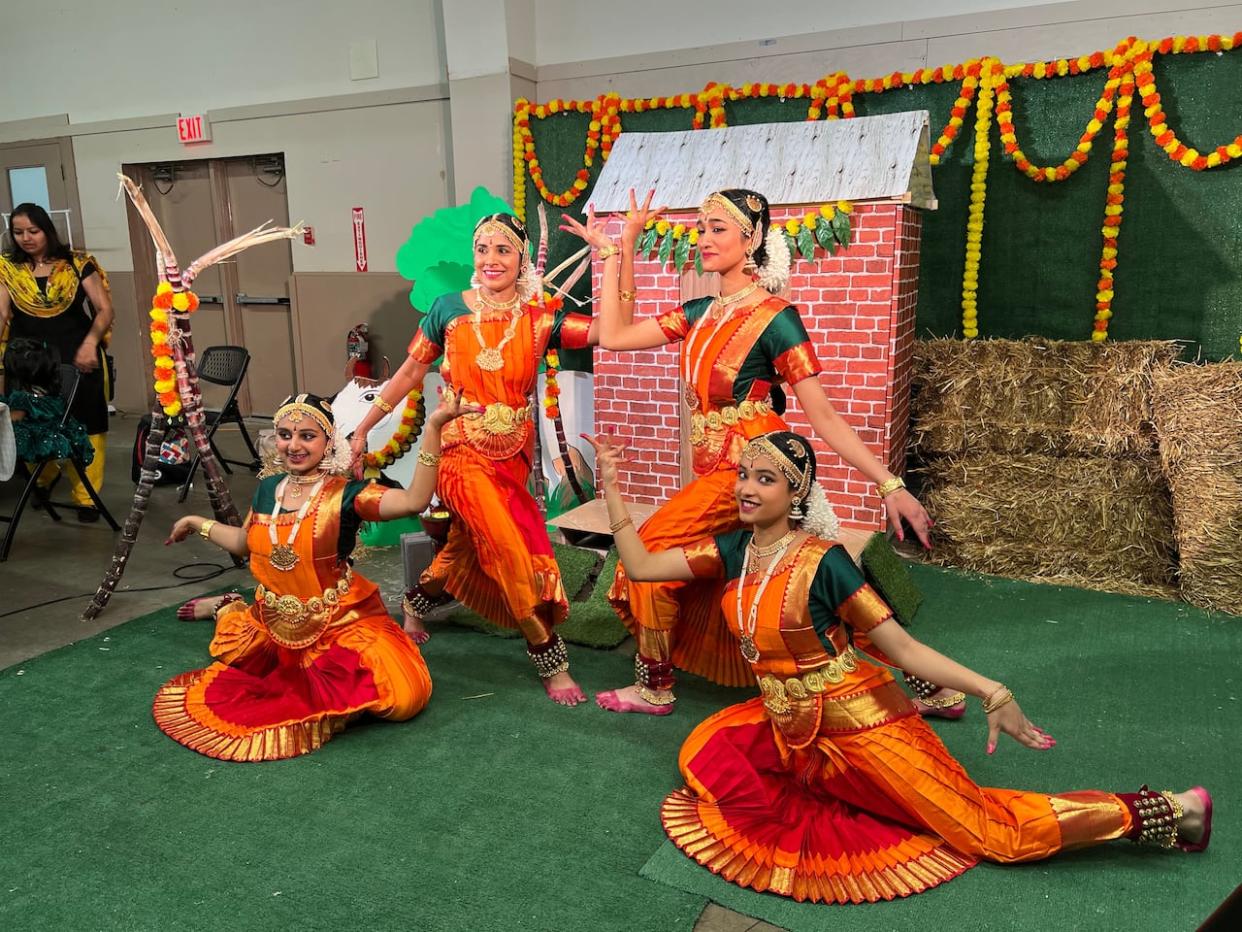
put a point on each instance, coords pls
(861, 159)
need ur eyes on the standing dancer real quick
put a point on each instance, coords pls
(736, 350)
(828, 786)
(317, 649)
(498, 560)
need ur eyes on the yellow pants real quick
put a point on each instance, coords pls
(94, 472)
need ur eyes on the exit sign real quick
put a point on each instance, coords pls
(193, 128)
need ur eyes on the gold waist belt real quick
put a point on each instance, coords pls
(777, 692)
(725, 417)
(496, 418)
(295, 622)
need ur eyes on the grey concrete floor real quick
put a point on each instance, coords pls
(55, 567)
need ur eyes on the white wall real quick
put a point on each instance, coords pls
(579, 30)
(114, 59)
(387, 160)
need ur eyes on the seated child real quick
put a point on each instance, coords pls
(36, 408)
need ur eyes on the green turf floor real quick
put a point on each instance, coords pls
(506, 812)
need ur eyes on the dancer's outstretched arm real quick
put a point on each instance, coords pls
(640, 563)
(225, 536)
(617, 330)
(407, 378)
(400, 503)
(915, 657)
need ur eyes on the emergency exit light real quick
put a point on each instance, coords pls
(193, 128)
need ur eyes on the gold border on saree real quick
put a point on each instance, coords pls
(725, 417)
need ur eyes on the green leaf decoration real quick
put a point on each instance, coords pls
(647, 243)
(841, 228)
(823, 234)
(681, 253)
(790, 243)
(698, 263)
(806, 244)
(666, 248)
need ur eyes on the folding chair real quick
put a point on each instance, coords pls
(223, 365)
(69, 377)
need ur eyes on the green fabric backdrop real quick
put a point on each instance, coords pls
(1180, 260)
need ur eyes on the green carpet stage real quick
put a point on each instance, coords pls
(495, 809)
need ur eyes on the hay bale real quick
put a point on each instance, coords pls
(1097, 522)
(1035, 396)
(1198, 416)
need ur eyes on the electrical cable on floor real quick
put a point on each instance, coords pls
(214, 570)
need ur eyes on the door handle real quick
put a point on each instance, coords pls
(210, 299)
(243, 298)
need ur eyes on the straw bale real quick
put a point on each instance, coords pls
(1198, 415)
(1094, 521)
(1035, 396)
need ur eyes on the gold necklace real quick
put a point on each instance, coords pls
(298, 481)
(491, 358)
(496, 305)
(725, 300)
(283, 556)
(746, 627)
(760, 553)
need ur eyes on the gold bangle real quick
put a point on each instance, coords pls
(629, 296)
(617, 525)
(379, 402)
(607, 252)
(890, 486)
(998, 698)
(428, 459)
(204, 529)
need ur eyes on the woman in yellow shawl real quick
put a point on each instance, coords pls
(828, 786)
(44, 287)
(498, 559)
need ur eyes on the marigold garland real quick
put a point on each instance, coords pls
(1130, 64)
(413, 416)
(1112, 219)
(165, 303)
(551, 391)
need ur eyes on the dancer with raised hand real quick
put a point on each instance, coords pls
(736, 351)
(829, 786)
(317, 648)
(498, 560)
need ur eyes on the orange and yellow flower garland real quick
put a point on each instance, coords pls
(1130, 62)
(551, 391)
(166, 302)
(412, 417)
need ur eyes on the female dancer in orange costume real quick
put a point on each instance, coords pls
(318, 648)
(829, 786)
(735, 350)
(498, 559)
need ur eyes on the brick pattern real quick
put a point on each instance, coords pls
(858, 307)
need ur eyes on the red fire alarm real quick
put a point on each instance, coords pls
(308, 236)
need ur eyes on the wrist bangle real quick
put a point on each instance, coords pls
(204, 530)
(624, 522)
(629, 296)
(890, 486)
(998, 698)
(607, 252)
(428, 459)
(379, 402)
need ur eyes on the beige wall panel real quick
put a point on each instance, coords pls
(129, 346)
(270, 378)
(326, 306)
(861, 61)
(482, 118)
(389, 160)
(1049, 14)
(1068, 40)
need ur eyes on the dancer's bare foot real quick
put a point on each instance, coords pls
(628, 699)
(562, 689)
(413, 626)
(204, 607)
(936, 708)
(1194, 828)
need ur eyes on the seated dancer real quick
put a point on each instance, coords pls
(736, 350)
(318, 647)
(829, 786)
(498, 560)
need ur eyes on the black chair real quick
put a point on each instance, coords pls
(223, 365)
(69, 377)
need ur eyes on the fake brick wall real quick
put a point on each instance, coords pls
(858, 307)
